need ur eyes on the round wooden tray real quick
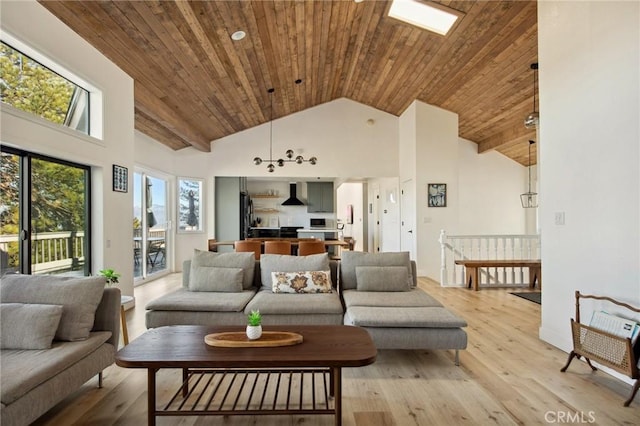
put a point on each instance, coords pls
(239, 339)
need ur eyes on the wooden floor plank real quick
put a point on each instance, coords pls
(508, 376)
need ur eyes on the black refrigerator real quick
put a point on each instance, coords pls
(245, 215)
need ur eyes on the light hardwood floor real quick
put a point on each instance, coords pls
(507, 377)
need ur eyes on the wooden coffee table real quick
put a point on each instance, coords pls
(301, 379)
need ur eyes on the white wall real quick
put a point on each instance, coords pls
(589, 154)
(437, 162)
(112, 231)
(483, 191)
(489, 188)
(337, 133)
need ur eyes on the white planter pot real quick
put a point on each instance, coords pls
(254, 332)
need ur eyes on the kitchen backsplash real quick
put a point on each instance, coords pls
(272, 213)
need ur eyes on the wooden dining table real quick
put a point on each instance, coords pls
(341, 244)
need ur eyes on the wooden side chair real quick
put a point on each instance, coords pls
(277, 247)
(248, 246)
(311, 247)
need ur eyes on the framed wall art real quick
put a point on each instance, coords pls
(120, 178)
(437, 195)
(190, 205)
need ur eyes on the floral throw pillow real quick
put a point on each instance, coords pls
(301, 282)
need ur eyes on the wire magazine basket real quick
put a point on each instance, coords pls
(603, 347)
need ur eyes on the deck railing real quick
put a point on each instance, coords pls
(51, 251)
(486, 247)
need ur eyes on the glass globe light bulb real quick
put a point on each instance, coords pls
(299, 159)
(289, 153)
(257, 161)
(313, 161)
(271, 168)
(280, 162)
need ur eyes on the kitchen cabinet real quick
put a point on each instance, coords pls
(320, 197)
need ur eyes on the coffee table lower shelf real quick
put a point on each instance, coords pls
(218, 392)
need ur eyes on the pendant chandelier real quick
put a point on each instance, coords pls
(529, 199)
(289, 153)
(532, 120)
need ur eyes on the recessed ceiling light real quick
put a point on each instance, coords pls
(430, 17)
(238, 35)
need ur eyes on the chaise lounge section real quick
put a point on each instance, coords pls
(380, 294)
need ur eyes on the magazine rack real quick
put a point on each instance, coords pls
(605, 348)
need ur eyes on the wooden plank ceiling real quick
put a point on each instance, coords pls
(194, 85)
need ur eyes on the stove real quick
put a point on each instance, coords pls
(289, 231)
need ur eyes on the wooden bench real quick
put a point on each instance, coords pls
(472, 267)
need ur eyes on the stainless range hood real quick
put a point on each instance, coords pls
(292, 200)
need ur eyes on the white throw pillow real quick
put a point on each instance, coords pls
(302, 282)
(285, 263)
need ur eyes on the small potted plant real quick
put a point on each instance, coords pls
(254, 328)
(111, 276)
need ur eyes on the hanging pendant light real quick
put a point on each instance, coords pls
(289, 153)
(529, 199)
(532, 120)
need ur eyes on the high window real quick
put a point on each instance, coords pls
(31, 87)
(44, 215)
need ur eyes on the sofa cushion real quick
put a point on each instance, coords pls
(285, 263)
(79, 298)
(213, 278)
(269, 303)
(352, 259)
(399, 299)
(23, 370)
(414, 317)
(246, 261)
(185, 300)
(28, 326)
(302, 282)
(382, 278)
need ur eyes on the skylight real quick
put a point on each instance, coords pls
(418, 13)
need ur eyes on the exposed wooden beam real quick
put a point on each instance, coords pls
(157, 110)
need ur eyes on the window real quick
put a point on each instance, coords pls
(31, 87)
(44, 215)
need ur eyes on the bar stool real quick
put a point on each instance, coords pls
(248, 246)
(277, 247)
(311, 247)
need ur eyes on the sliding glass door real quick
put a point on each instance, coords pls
(44, 213)
(150, 225)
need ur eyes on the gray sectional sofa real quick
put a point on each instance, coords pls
(57, 333)
(376, 291)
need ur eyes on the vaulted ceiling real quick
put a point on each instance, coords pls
(194, 84)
